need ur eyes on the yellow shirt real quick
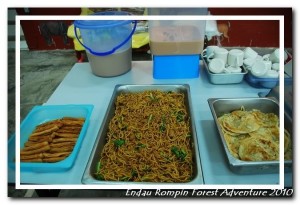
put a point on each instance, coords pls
(71, 33)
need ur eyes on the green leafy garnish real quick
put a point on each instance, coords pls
(153, 98)
(134, 173)
(99, 165)
(179, 153)
(149, 119)
(118, 143)
(139, 145)
(162, 126)
(125, 178)
(180, 116)
(147, 168)
(99, 176)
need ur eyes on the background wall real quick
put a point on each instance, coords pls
(255, 33)
(32, 31)
(238, 33)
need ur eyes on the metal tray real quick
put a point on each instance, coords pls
(220, 106)
(224, 78)
(88, 176)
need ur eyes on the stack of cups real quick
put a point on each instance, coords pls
(223, 61)
(266, 66)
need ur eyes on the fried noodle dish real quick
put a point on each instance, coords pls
(254, 135)
(148, 140)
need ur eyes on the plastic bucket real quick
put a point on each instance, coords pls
(107, 43)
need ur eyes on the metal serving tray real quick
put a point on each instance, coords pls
(88, 176)
(220, 106)
(224, 78)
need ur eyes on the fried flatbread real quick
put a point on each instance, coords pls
(266, 119)
(254, 135)
(233, 143)
(240, 123)
(258, 149)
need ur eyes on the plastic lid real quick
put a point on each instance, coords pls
(90, 24)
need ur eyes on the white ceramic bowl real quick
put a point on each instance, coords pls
(275, 66)
(216, 65)
(259, 69)
(271, 74)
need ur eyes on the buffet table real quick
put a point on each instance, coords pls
(80, 86)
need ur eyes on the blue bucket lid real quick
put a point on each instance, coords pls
(92, 24)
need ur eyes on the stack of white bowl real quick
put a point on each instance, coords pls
(266, 66)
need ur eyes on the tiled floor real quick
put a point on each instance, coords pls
(40, 73)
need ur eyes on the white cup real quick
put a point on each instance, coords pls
(208, 51)
(274, 57)
(249, 53)
(216, 65)
(268, 64)
(266, 57)
(259, 58)
(275, 66)
(258, 69)
(271, 74)
(248, 63)
(220, 53)
(235, 58)
(231, 69)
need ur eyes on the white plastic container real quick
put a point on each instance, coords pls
(176, 37)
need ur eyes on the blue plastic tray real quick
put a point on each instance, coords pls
(265, 82)
(41, 114)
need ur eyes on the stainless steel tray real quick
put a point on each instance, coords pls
(224, 78)
(220, 106)
(88, 176)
